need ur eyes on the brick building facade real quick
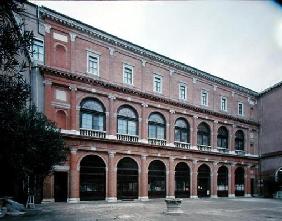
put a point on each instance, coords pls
(140, 125)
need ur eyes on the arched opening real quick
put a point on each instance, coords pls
(182, 131)
(92, 115)
(61, 56)
(182, 180)
(204, 181)
(127, 121)
(156, 126)
(127, 179)
(203, 134)
(239, 140)
(222, 137)
(239, 182)
(157, 179)
(222, 181)
(61, 119)
(92, 178)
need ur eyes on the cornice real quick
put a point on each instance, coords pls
(134, 92)
(116, 41)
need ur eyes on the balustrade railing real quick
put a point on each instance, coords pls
(222, 150)
(159, 142)
(182, 145)
(204, 147)
(92, 133)
(128, 138)
(240, 152)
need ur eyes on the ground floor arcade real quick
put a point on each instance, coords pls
(110, 175)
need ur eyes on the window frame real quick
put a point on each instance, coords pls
(132, 73)
(43, 47)
(156, 126)
(226, 103)
(97, 56)
(161, 83)
(182, 130)
(185, 91)
(128, 119)
(242, 114)
(207, 97)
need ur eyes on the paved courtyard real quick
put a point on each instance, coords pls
(242, 209)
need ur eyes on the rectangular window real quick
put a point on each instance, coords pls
(93, 64)
(240, 109)
(38, 50)
(204, 98)
(223, 104)
(158, 83)
(127, 74)
(182, 92)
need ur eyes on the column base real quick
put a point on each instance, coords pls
(214, 196)
(194, 197)
(143, 198)
(49, 200)
(231, 195)
(170, 197)
(111, 199)
(73, 200)
(247, 195)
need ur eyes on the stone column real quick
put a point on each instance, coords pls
(48, 99)
(171, 179)
(48, 189)
(214, 180)
(171, 128)
(112, 118)
(247, 182)
(194, 132)
(144, 125)
(143, 196)
(73, 125)
(72, 52)
(112, 179)
(194, 177)
(232, 189)
(230, 182)
(74, 178)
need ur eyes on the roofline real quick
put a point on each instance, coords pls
(116, 41)
(270, 89)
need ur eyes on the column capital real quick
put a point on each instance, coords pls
(195, 117)
(73, 150)
(112, 51)
(111, 154)
(72, 87)
(47, 82)
(111, 97)
(72, 36)
(171, 158)
(144, 105)
(47, 28)
(143, 62)
(172, 111)
(143, 157)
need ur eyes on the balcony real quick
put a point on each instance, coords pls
(222, 149)
(240, 152)
(182, 145)
(92, 133)
(128, 138)
(159, 142)
(203, 147)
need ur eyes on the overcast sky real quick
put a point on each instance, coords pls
(239, 41)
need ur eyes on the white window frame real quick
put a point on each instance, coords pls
(132, 73)
(161, 83)
(207, 100)
(91, 54)
(185, 91)
(226, 103)
(240, 103)
(43, 44)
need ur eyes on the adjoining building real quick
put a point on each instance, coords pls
(141, 125)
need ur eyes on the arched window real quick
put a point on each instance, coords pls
(156, 126)
(127, 121)
(182, 131)
(92, 115)
(239, 140)
(204, 134)
(222, 137)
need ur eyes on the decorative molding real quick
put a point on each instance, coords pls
(143, 62)
(172, 111)
(144, 105)
(194, 80)
(72, 36)
(115, 41)
(112, 97)
(112, 51)
(171, 72)
(47, 28)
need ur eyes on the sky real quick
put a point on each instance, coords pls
(240, 41)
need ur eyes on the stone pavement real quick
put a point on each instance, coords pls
(249, 209)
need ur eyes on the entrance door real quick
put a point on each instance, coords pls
(222, 181)
(182, 180)
(127, 179)
(204, 184)
(157, 180)
(239, 182)
(60, 186)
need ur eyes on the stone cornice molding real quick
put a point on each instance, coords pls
(115, 41)
(134, 92)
